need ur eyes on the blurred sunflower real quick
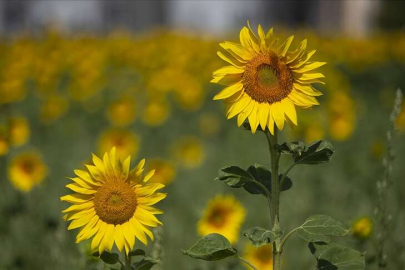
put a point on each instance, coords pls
(19, 131)
(223, 215)
(362, 227)
(156, 112)
(26, 170)
(265, 81)
(341, 122)
(260, 257)
(209, 124)
(113, 204)
(164, 171)
(4, 147)
(125, 142)
(122, 111)
(53, 107)
(189, 151)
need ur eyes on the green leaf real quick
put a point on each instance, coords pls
(318, 228)
(234, 176)
(331, 256)
(107, 257)
(211, 247)
(295, 148)
(263, 175)
(317, 152)
(137, 252)
(259, 236)
(145, 264)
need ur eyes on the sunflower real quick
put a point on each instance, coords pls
(189, 151)
(164, 171)
(223, 215)
(260, 257)
(362, 227)
(113, 204)
(156, 112)
(265, 81)
(4, 143)
(121, 112)
(125, 142)
(26, 170)
(19, 131)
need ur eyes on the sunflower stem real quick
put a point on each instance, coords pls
(127, 261)
(248, 263)
(275, 190)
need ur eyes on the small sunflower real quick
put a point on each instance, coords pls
(260, 257)
(362, 227)
(265, 81)
(189, 151)
(122, 111)
(125, 142)
(156, 112)
(223, 215)
(26, 170)
(113, 204)
(19, 131)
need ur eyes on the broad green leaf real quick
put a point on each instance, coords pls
(211, 247)
(259, 236)
(295, 148)
(331, 256)
(234, 176)
(318, 228)
(317, 152)
(263, 175)
(108, 258)
(137, 252)
(145, 264)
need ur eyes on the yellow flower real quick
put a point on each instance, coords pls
(113, 204)
(26, 170)
(342, 122)
(122, 111)
(19, 131)
(54, 107)
(164, 171)
(156, 112)
(189, 152)
(125, 142)
(362, 227)
(260, 257)
(314, 132)
(265, 81)
(223, 215)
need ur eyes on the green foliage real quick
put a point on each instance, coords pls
(318, 228)
(315, 153)
(237, 177)
(107, 257)
(331, 256)
(211, 247)
(145, 264)
(137, 252)
(259, 236)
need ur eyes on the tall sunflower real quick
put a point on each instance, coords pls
(113, 204)
(223, 215)
(265, 81)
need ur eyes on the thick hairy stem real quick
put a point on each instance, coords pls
(127, 261)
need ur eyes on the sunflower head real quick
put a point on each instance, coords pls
(265, 81)
(19, 131)
(260, 257)
(363, 227)
(223, 215)
(122, 111)
(113, 204)
(125, 142)
(27, 170)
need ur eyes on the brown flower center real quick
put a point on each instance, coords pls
(218, 217)
(115, 202)
(267, 79)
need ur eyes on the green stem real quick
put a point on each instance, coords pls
(285, 174)
(248, 263)
(275, 190)
(286, 238)
(127, 261)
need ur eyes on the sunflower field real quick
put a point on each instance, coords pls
(66, 100)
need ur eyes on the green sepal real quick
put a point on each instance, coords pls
(211, 247)
(318, 228)
(259, 236)
(331, 256)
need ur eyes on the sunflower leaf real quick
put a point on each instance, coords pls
(234, 176)
(331, 256)
(137, 252)
(145, 264)
(295, 148)
(211, 247)
(259, 236)
(314, 153)
(107, 257)
(318, 228)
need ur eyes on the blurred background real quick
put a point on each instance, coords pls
(78, 77)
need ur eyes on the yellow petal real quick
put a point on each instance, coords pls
(228, 70)
(81, 182)
(238, 51)
(234, 62)
(227, 79)
(292, 56)
(245, 113)
(289, 110)
(112, 157)
(129, 234)
(238, 106)
(89, 230)
(98, 163)
(99, 236)
(229, 91)
(138, 230)
(253, 119)
(302, 62)
(302, 100)
(262, 37)
(151, 200)
(81, 221)
(284, 48)
(79, 189)
(109, 236)
(277, 112)
(263, 114)
(79, 207)
(148, 176)
(309, 67)
(87, 177)
(119, 237)
(270, 123)
(307, 89)
(76, 198)
(144, 217)
(148, 189)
